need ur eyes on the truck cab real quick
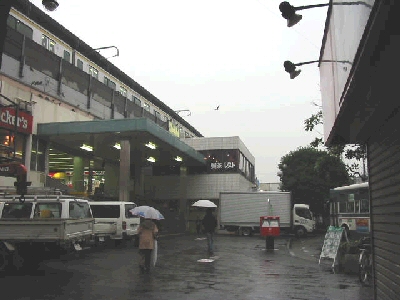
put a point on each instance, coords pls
(303, 221)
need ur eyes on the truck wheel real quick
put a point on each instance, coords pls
(3, 258)
(301, 232)
(246, 231)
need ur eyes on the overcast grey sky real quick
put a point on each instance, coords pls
(197, 55)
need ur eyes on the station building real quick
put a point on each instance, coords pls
(80, 124)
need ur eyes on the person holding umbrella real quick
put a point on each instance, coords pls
(147, 232)
(209, 224)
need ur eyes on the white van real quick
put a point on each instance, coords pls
(117, 214)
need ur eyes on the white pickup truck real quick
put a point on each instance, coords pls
(40, 225)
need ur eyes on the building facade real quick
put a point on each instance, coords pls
(80, 124)
(359, 91)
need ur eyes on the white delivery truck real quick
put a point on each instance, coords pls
(241, 211)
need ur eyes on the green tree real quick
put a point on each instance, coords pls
(351, 152)
(309, 174)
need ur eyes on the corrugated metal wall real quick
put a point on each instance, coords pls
(384, 170)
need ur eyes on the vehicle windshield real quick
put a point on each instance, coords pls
(303, 213)
(79, 210)
(17, 210)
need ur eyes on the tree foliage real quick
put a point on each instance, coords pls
(357, 152)
(309, 174)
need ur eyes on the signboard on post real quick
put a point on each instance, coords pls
(331, 244)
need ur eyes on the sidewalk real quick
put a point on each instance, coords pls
(309, 248)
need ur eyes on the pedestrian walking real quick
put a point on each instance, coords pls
(198, 225)
(210, 223)
(147, 232)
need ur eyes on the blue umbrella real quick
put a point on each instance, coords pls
(147, 212)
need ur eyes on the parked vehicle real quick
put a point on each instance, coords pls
(114, 221)
(365, 262)
(349, 207)
(241, 211)
(42, 225)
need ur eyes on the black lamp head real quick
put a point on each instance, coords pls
(50, 5)
(291, 69)
(289, 13)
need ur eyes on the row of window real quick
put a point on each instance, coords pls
(50, 45)
(218, 161)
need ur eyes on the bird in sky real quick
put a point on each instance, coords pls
(217, 108)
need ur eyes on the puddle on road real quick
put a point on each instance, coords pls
(343, 286)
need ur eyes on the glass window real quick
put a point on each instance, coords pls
(19, 26)
(94, 72)
(146, 106)
(303, 212)
(110, 83)
(350, 207)
(157, 114)
(17, 210)
(79, 64)
(105, 211)
(48, 210)
(123, 91)
(137, 101)
(342, 207)
(24, 29)
(67, 56)
(48, 43)
(79, 210)
(357, 206)
(12, 22)
(364, 206)
(231, 160)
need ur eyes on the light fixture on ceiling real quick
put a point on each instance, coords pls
(151, 145)
(151, 159)
(117, 146)
(86, 147)
(50, 5)
(178, 158)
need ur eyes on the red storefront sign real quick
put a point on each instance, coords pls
(7, 120)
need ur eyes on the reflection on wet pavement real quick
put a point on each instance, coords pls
(243, 270)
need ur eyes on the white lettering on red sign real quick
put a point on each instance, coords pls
(8, 118)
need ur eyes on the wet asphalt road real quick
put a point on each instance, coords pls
(244, 270)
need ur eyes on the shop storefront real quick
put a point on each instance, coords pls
(15, 127)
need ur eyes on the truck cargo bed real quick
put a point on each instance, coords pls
(44, 230)
(245, 209)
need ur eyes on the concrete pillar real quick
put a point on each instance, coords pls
(90, 178)
(124, 170)
(183, 209)
(111, 179)
(78, 175)
(28, 154)
(138, 176)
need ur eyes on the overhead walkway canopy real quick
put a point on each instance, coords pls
(102, 135)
